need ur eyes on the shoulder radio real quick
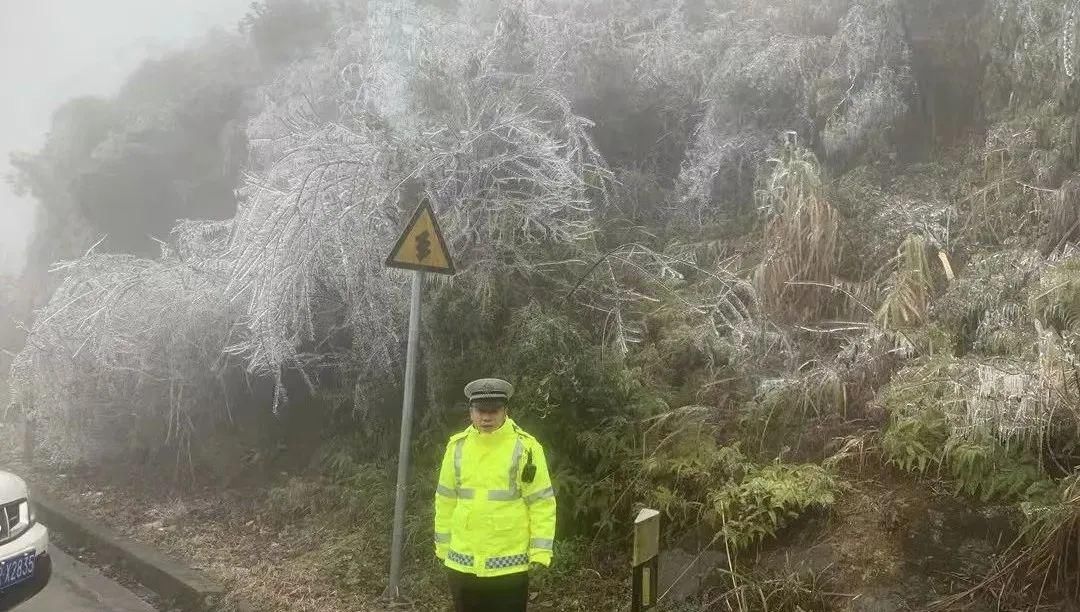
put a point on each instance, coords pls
(529, 473)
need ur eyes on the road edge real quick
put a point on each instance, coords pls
(171, 580)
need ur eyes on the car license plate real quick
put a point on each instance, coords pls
(16, 569)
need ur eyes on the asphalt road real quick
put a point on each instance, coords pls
(77, 587)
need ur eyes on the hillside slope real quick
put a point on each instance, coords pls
(802, 275)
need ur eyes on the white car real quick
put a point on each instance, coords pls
(25, 565)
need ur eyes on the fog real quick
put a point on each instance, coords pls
(54, 50)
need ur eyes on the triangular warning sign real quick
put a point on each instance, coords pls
(421, 246)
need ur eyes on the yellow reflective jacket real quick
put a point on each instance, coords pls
(488, 522)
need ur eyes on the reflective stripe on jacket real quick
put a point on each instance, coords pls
(487, 521)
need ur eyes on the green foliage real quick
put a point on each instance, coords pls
(924, 384)
(461, 339)
(908, 298)
(684, 465)
(921, 439)
(792, 591)
(1049, 507)
(564, 381)
(917, 399)
(1056, 298)
(767, 499)
(179, 146)
(986, 468)
(914, 443)
(1052, 534)
(774, 420)
(690, 477)
(681, 353)
(60, 231)
(932, 339)
(986, 308)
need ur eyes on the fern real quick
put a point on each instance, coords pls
(970, 464)
(915, 443)
(986, 468)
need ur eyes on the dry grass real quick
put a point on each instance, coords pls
(802, 239)
(908, 299)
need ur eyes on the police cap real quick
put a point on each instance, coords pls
(489, 388)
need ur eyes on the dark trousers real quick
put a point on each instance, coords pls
(508, 593)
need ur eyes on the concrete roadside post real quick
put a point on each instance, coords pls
(421, 248)
(646, 560)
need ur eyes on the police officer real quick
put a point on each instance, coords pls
(494, 506)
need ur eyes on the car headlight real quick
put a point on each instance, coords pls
(19, 517)
(26, 511)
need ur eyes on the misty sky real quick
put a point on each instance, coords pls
(53, 50)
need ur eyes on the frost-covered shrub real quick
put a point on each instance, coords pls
(127, 356)
(865, 89)
(840, 88)
(462, 111)
(1033, 51)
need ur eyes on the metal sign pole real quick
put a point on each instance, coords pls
(420, 248)
(406, 436)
